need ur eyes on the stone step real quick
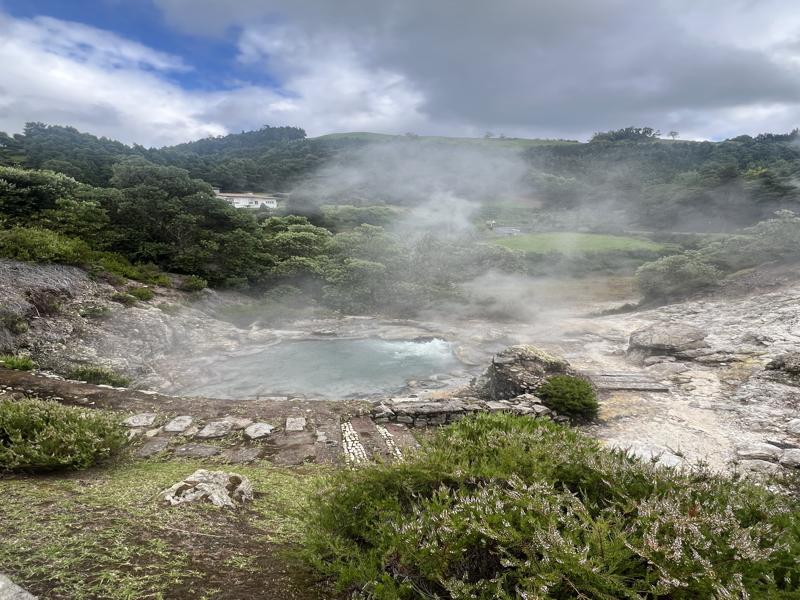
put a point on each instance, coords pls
(625, 381)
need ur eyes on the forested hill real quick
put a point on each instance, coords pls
(657, 183)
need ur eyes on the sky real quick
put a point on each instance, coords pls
(159, 72)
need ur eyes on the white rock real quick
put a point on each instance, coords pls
(10, 591)
(791, 458)
(140, 420)
(256, 431)
(759, 466)
(218, 487)
(295, 423)
(793, 426)
(758, 451)
(178, 424)
(215, 429)
(238, 422)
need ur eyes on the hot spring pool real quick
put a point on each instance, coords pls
(322, 368)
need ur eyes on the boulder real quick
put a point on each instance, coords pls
(666, 340)
(788, 363)
(758, 451)
(218, 487)
(793, 427)
(791, 458)
(518, 370)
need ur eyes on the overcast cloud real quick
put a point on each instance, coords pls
(709, 69)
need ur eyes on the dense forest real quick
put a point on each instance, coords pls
(360, 243)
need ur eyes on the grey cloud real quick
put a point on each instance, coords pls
(540, 66)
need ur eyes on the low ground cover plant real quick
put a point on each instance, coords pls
(99, 375)
(505, 507)
(39, 435)
(18, 363)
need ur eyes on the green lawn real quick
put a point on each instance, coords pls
(576, 243)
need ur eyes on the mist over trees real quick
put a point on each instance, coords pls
(379, 222)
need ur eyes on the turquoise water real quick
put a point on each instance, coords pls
(323, 368)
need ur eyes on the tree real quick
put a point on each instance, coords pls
(673, 134)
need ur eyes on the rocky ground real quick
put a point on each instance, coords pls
(687, 382)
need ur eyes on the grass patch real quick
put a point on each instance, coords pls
(124, 298)
(141, 293)
(570, 396)
(99, 375)
(577, 243)
(103, 534)
(18, 363)
(504, 507)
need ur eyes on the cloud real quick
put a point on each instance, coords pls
(69, 73)
(537, 67)
(456, 67)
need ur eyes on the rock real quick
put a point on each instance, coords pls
(793, 426)
(791, 458)
(218, 487)
(151, 433)
(215, 429)
(196, 451)
(654, 453)
(541, 410)
(178, 424)
(295, 424)
(788, 363)
(151, 447)
(238, 423)
(654, 360)
(528, 399)
(758, 451)
(10, 591)
(381, 411)
(140, 420)
(666, 339)
(518, 370)
(256, 431)
(759, 466)
(241, 455)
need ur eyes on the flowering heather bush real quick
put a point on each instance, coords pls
(38, 435)
(505, 507)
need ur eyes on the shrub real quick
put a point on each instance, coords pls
(503, 507)
(124, 298)
(117, 268)
(42, 245)
(99, 375)
(94, 311)
(37, 435)
(193, 283)
(18, 363)
(15, 323)
(141, 293)
(570, 396)
(676, 276)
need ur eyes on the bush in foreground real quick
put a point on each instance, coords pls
(503, 507)
(99, 375)
(569, 396)
(38, 435)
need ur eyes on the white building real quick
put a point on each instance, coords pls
(248, 199)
